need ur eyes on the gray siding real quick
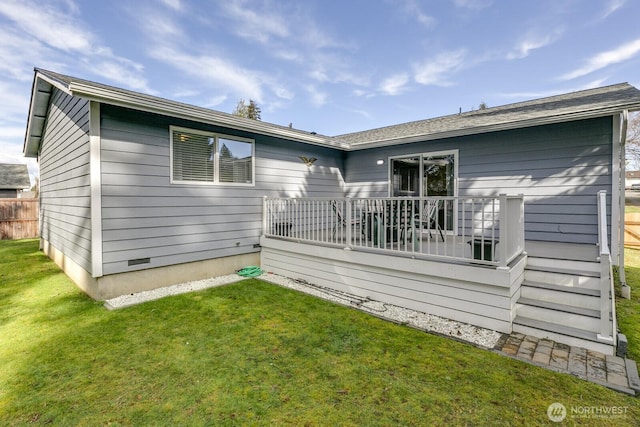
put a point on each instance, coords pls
(559, 168)
(145, 216)
(64, 178)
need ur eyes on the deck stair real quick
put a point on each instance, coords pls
(560, 300)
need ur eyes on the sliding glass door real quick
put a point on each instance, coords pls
(428, 175)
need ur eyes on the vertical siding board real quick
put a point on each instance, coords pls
(559, 168)
(177, 223)
(64, 184)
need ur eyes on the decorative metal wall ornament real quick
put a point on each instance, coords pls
(308, 160)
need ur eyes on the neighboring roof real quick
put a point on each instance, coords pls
(14, 176)
(590, 103)
(584, 104)
(632, 174)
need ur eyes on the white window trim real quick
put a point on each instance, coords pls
(216, 169)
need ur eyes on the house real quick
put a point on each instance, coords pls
(632, 179)
(13, 179)
(500, 217)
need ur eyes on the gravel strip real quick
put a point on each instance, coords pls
(181, 288)
(481, 337)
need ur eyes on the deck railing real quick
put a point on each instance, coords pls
(608, 326)
(483, 230)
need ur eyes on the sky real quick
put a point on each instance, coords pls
(327, 66)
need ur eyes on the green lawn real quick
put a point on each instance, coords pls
(250, 353)
(628, 311)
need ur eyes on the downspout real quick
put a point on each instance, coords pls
(626, 291)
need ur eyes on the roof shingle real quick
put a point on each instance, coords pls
(14, 176)
(616, 96)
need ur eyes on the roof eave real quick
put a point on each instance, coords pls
(36, 122)
(494, 127)
(156, 105)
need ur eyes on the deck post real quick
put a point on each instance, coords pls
(348, 221)
(264, 215)
(504, 232)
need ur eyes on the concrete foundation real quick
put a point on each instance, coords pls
(114, 285)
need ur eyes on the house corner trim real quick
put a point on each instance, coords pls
(96, 189)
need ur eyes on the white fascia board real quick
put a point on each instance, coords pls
(63, 87)
(184, 111)
(30, 146)
(28, 150)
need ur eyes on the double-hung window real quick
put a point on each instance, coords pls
(210, 158)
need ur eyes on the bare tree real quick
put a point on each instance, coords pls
(633, 141)
(250, 111)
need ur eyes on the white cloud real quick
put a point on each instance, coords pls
(18, 54)
(253, 23)
(282, 92)
(12, 132)
(412, 8)
(48, 24)
(215, 101)
(213, 71)
(531, 42)
(173, 4)
(55, 30)
(11, 152)
(473, 4)
(160, 27)
(317, 97)
(611, 6)
(437, 71)
(395, 84)
(362, 113)
(288, 55)
(14, 104)
(121, 72)
(293, 35)
(185, 93)
(604, 59)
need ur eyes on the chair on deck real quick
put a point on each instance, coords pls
(341, 220)
(429, 218)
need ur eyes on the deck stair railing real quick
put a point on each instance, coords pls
(482, 230)
(608, 326)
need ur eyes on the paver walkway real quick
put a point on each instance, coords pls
(610, 371)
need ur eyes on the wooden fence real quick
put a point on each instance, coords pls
(18, 219)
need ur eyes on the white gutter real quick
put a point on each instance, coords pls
(156, 105)
(538, 121)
